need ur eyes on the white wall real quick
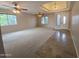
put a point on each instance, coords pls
(24, 21)
(52, 21)
(75, 25)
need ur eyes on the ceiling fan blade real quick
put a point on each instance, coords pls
(24, 9)
(8, 6)
(4, 7)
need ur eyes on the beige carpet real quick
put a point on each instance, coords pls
(25, 43)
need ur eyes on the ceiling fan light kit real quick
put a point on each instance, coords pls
(16, 11)
(40, 14)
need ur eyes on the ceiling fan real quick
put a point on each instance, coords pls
(40, 14)
(16, 8)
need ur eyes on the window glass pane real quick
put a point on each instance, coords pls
(44, 20)
(64, 19)
(6, 19)
(58, 19)
(12, 20)
(3, 19)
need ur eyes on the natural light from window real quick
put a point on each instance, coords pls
(58, 19)
(7, 19)
(44, 20)
(64, 19)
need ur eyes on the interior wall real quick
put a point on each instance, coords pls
(24, 21)
(75, 25)
(51, 21)
(38, 21)
(1, 45)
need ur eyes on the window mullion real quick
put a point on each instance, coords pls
(7, 20)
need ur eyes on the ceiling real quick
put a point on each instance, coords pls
(33, 6)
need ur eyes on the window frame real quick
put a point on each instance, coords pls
(62, 20)
(43, 20)
(8, 19)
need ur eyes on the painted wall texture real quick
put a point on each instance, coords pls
(75, 25)
(24, 21)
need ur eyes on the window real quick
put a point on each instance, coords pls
(61, 20)
(44, 20)
(6, 19)
(58, 19)
(64, 19)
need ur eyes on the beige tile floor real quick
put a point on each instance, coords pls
(59, 45)
(39, 42)
(25, 43)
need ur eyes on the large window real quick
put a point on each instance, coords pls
(61, 20)
(58, 20)
(7, 19)
(44, 20)
(64, 19)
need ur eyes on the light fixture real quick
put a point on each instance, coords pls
(16, 11)
(55, 6)
(40, 14)
(18, 6)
